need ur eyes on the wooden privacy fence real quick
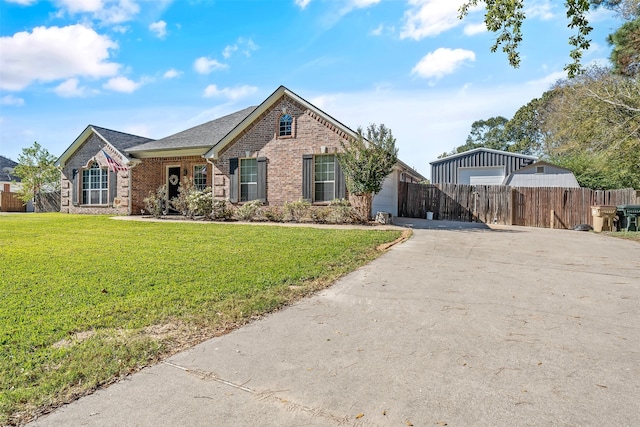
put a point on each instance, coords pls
(548, 207)
(9, 202)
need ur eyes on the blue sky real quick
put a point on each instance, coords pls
(156, 67)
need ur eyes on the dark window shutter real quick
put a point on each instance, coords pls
(233, 180)
(307, 177)
(113, 177)
(262, 179)
(340, 183)
(74, 188)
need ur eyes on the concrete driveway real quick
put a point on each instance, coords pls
(460, 325)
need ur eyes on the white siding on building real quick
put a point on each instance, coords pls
(542, 175)
(387, 199)
(481, 176)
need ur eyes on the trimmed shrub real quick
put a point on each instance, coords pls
(155, 202)
(296, 211)
(273, 214)
(320, 215)
(181, 203)
(222, 210)
(343, 213)
(248, 211)
(200, 203)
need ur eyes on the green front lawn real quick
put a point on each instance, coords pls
(87, 299)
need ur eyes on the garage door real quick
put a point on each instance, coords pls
(387, 199)
(481, 176)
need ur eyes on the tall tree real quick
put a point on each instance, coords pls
(525, 130)
(597, 116)
(626, 9)
(489, 133)
(37, 170)
(625, 53)
(366, 162)
(521, 134)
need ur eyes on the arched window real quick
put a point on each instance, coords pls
(286, 122)
(95, 185)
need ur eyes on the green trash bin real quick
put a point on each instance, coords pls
(628, 215)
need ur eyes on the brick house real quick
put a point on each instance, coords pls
(282, 150)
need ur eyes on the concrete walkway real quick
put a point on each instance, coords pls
(458, 326)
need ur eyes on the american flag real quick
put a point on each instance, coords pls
(114, 166)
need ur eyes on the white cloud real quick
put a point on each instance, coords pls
(159, 29)
(204, 65)
(335, 14)
(355, 4)
(228, 50)
(246, 46)
(12, 100)
(122, 29)
(359, 4)
(172, 74)
(70, 89)
(106, 11)
(80, 6)
(441, 62)
(542, 10)
(53, 53)
(429, 18)
(122, 84)
(232, 94)
(473, 29)
(377, 31)
(302, 4)
(22, 2)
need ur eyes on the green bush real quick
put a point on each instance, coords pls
(200, 203)
(248, 211)
(296, 211)
(155, 202)
(273, 214)
(181, 203)
(320, 215)
(341, 212)
(222, 210)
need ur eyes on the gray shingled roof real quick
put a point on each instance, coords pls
(6, 165)
(204, 135)
(120, 140)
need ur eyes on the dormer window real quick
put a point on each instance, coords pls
(286, 124)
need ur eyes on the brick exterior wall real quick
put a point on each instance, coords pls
(284, 154)
(82, 158)
(151, 173)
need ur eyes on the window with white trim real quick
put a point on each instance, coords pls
(200, 177)
(248, 179)
(324, 178)
(95, 185)
(286, 124)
